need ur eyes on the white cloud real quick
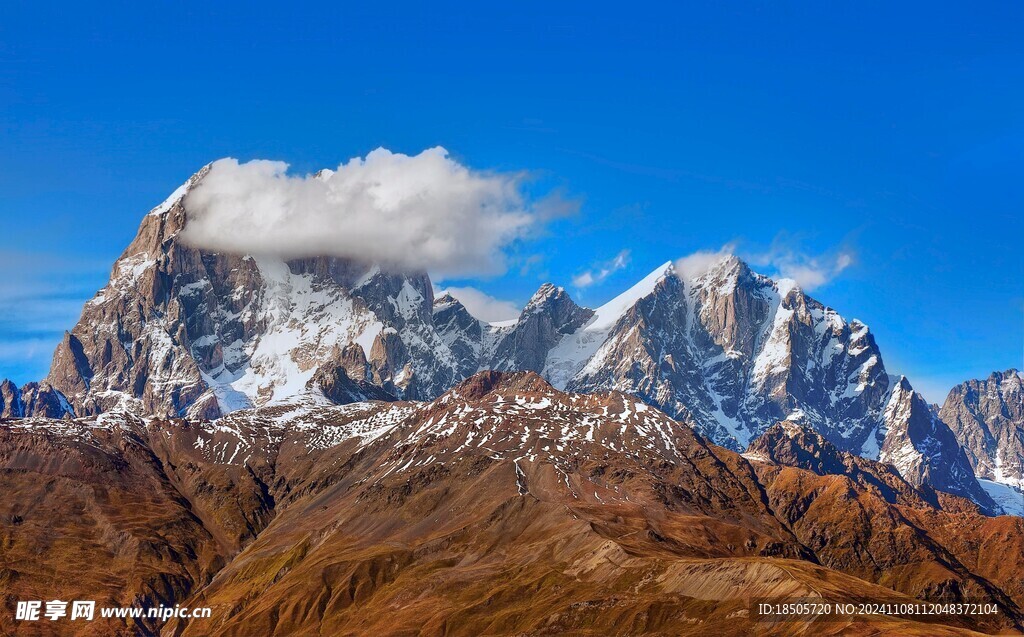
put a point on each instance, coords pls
(693, 265)
(484, 306)
(422, 212)
(809, 271)
(780, 261)
(601, 271)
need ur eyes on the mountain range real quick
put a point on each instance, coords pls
(193, 369)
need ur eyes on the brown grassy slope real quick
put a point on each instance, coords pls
(418, 556)
(600, 541)
(98, 522)
(421, 534)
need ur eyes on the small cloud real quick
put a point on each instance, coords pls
(601, 271)
(781, 261)
(693, 265)
(809, 271)
(483, 306)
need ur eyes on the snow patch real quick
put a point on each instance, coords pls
(1009, 498)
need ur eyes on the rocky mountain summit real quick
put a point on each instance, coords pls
(180, 331)
(32, 399)
(924, 449)
(987, 417)
(502, 507)
(183, 332)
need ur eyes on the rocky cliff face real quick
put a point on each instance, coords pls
(731, 352)
(10, 400)
(334, 383)
(793, 445)
(987, 417)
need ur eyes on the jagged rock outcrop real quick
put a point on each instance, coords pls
(10, 400)
(42, 399)
(987, 417)
(460, 331)
(32, 399)
(548, 317)
(335, 384)
(793, 445)
(925, 451)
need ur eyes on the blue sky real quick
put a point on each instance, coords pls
(794, 132)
